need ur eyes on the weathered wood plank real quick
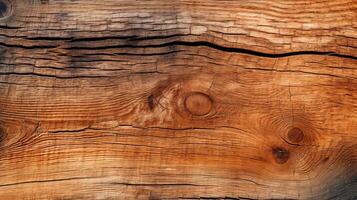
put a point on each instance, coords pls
(268, 26)
(178, 100)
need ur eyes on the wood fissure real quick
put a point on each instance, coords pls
(184, 43)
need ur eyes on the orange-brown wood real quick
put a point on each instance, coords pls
(159, 99)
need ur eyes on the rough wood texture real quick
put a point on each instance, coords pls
(187, 99)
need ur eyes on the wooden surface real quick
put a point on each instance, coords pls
(186, 99)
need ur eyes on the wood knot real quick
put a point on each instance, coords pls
(295, 135)
(5, 8)
(281, 155)
(2, 135)
(325, 159)
(151, 102)
(198, 103)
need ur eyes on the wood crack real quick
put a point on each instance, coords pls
(157, 184)
(75, 45)
(47, 181)
(52, 76)
(226, 198)
(219, 47)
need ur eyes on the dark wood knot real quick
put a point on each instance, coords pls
(5, 8)
(44, 1)
(295, 135)
(281, 155)
(198, 103)
(2, 135)
(151, 101)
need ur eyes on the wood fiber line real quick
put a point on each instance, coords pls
(162, 99)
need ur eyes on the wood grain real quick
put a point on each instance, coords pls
(159, 99)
